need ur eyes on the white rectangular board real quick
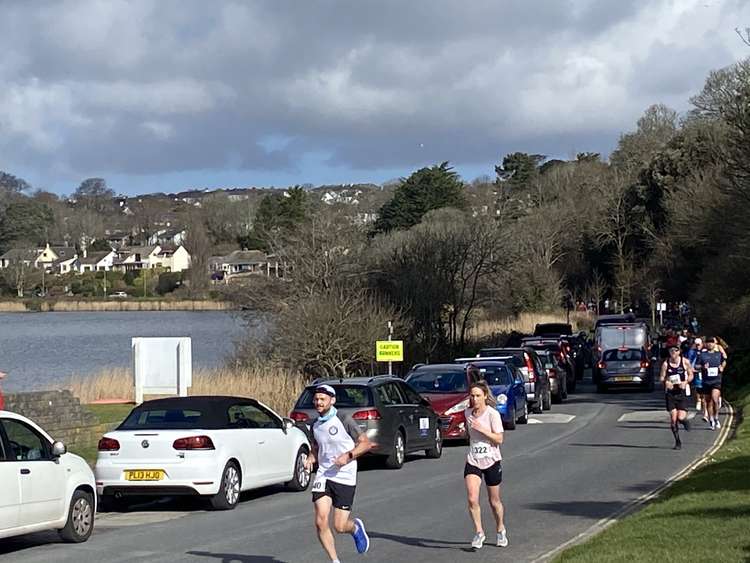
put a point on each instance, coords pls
(162, 366)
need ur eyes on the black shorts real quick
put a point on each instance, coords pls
(493, 475)
(709, 386)
(341, 495)
(677, 401)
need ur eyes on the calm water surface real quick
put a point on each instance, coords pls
(42, 350)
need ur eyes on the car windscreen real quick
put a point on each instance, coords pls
(347, 396)
(425, 381)
(163, 419)
(496, 375)
(626, 355)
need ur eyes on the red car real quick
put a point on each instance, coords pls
(446, 386)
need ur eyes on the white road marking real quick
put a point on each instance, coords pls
(551, 418)
(649, 416)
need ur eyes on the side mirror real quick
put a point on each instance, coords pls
(288, 424)
(58, 450)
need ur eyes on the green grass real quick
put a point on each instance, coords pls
(105, 414)
(704, 517)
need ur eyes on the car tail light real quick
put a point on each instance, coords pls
(108, 445)
(530, 367)
(601, 365)
(645, 363)
(369, 414)
(299, 416)
(194, 443)
(552, 373)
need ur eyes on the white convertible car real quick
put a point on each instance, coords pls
(42, 487)
(209, 446)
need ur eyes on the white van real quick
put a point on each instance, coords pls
(42, 486)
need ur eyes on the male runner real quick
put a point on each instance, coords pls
(713, 363)
(693, 357)
(676, 375)
(337, 443)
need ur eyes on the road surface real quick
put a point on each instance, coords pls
(564, 471)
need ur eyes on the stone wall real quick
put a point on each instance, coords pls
(60, 414)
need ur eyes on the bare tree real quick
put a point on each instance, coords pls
(596, 289)
(744, 35)
(20, 273)
(199, 246)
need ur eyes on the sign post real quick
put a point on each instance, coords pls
(661, 307)
(389, 351)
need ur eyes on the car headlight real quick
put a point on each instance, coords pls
(502, 399)
(458, 407)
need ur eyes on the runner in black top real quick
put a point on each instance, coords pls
(713, 362)
(676, 374)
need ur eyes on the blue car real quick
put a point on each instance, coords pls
(506, 383)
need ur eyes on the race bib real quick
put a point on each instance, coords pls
(481, 450)
(674, 378)
(713, 372)
(319, 483)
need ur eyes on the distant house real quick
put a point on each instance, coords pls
(14, 255)
(118, 239)
(245, 262)
(96, 261)
(170, 236)
(66, 265)
(136, 258)
(47, 257)
(173, 259)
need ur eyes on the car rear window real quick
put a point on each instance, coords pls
(496, 375)
(629, 355)
(547, 359)
(162, 419)
(346, 396)
(439, 381)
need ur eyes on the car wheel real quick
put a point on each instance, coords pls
(437, 451)
(557, 397)
(537, 408)
(80, 522)
(572, 385)
(511, 424)
(547, 402)
(229, 491)
(524, 418)
(564, 392)
(301, 478)
(398, 452)
(601, 388)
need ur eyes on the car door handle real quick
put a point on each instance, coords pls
(261, 441)
(25, 471)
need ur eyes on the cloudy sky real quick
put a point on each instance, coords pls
(164, 95)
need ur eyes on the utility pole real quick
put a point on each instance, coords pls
(390, 337)
(105, 281)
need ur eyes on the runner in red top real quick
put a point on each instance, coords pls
(2, 398)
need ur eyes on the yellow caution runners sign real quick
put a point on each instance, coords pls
(389, 350)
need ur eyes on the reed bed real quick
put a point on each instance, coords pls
(125, 304)
(12, 307)
(276, 387)
(525, 323)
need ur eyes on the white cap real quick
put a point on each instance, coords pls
(698, 341)
(326, 389)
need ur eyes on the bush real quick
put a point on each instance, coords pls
(168, 282)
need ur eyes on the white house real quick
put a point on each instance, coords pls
(14, 255)
(51, 254)
(66, 266)
(173, 259)
(137, 258)
(171, 236)
(96, 261)
(245, 262)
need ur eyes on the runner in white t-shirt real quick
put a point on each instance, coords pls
(337, 443)
(484, 460)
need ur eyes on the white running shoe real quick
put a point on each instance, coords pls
(718, 424)
(713, 424)
(502, 539)
(478, 541)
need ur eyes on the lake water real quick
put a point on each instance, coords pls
(43, 350)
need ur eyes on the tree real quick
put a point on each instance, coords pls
(278, 216)
(655, 128)
(425, 190)
(519, 170)
(10, 185)
(198, 244)
(25, 220)
(20, 273)
(100, 245)
(94, 194)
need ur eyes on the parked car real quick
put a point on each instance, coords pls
(558, 378)
(214, 447)
(535, 378)
(387, 409)
(119, 294)
(446, 386)
(42, 486)
(561, 348)
(553, 329)
(625, 367)
(506, 383)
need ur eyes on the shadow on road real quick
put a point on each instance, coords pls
(421, 542)
(19, 543)
(236, 558)
(588, 509)
(636, 446)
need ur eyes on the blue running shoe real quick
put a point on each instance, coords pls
(361, 539)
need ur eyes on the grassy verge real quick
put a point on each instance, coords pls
(106, 414)
(704, 517)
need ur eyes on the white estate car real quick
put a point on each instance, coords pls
(210, 446)
(42, 487)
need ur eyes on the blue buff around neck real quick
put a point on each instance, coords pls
(329, 415)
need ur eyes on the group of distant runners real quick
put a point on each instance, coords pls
(338, 442)
(697, 368)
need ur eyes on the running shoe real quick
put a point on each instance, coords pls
(718, 424)
(686, 424)
(677, 445)
(478, 540)
(361, 539)
(502, 539)
(713, 425)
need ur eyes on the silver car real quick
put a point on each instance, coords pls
(625, 367)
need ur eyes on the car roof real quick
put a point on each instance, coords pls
(354, 380)
(206, 402)
(430, 367)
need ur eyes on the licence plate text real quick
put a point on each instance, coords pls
(144, 475)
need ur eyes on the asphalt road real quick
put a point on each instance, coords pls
(562, 473)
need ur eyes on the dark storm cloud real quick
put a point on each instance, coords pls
(148, 87)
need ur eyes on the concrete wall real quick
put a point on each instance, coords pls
(59, 413)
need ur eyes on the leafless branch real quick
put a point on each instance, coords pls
(745, 36)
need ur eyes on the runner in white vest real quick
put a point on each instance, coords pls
(337, 443)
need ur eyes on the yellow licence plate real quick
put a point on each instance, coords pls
(624, 378)
(144, 475)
